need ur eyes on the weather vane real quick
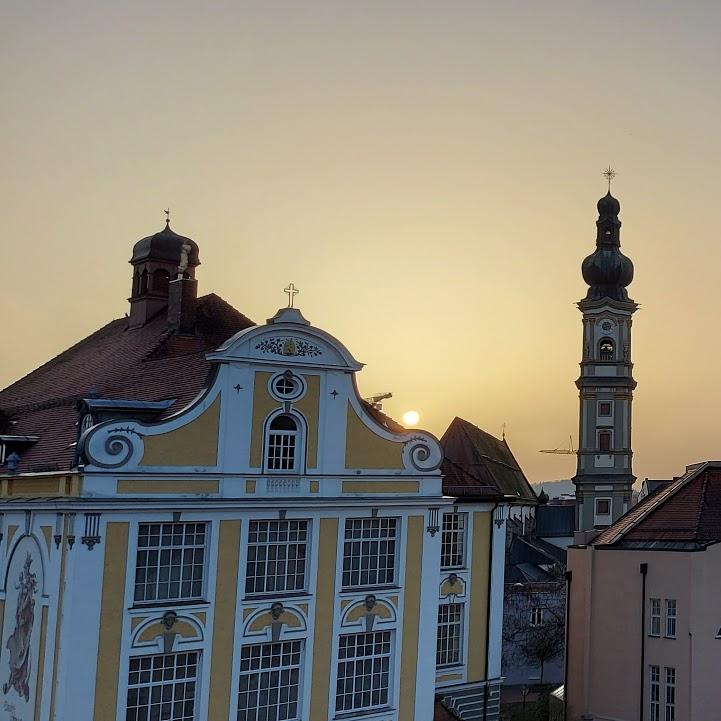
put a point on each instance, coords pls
(609, 174)
(167, 216)
(292, 291)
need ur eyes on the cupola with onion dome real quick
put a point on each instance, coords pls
(158, 260)
(607, 270)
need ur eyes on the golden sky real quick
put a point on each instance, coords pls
(426, 173)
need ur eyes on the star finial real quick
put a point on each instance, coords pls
(609, 174)
(167, 216)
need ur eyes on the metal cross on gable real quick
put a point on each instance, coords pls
(292, 291)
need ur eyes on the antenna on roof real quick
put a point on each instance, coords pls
(377, 400)
(562, 451)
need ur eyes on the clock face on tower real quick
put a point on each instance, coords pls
(607, 325)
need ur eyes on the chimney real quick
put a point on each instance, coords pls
(182, 296)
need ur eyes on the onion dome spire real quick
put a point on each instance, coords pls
(607, 270)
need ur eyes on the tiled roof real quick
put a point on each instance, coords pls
(474, 457)
(148, 363)
(686, 510)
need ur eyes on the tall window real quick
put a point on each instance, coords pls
(270, 682)
(453, 540)
(369, 552)
(450, 634)
(670, 618)
(363, 680)
(604, 441)
(654, 691)
(536, 616)
(162, 687)
(670, 705)
(606, 349)
(277, 552)
(282, 448)
(654, 616)
(170, 560)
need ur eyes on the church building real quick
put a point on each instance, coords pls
(201, 519)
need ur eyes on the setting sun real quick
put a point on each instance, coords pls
(411, 418)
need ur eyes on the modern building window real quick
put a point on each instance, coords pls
(170, 562)
(606, 349)
(670, 618)
(670, 705)
(654, 693)
(369, 552)
(604, 408)
(536, 616)
(162, 687)
(283, 444)
(270, 676)
(277, 553)
(603, 506)
(604, 441)
(363, 681)
(449, 647)
(453, 540)
(654, 617)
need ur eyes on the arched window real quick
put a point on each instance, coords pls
(136, 283)
(161, 279)
(283, 444)
(604, 441)
(606, 349)
(144, 282)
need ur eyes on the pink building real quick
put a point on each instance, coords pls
(644, 629)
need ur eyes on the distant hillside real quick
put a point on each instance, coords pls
(554, 489)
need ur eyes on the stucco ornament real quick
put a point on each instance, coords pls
(112, 446)
(423, 453)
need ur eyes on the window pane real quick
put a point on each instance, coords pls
(162, 687)
(169, 553)
(450, 634)
(277, 553)
(453, 541)
(363, 671)
(369, 552)
(269, 687)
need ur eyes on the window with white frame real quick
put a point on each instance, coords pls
(269, 687)
(170, 561)
(364, 662)
(670, 705)
(654, 693)
(369, 552)
(654, 617)
(603, 507)
(536, 616)
(277, 553)
(162, 687)
(670, 618)
(449, 647)
(283, 451)
(453, 540)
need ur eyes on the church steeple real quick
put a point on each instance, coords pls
(604, 473)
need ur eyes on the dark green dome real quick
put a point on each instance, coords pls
(165, 245)
(607, 270)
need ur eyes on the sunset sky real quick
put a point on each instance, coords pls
(425, 173)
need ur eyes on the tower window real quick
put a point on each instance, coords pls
(604, 441)
(282, 450)
(144, 281)
(603, 506)
(606, 349)
(604, 408)
(161, 279)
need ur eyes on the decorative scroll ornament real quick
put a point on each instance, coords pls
(289, 347)
(422, 453)
(112, 447)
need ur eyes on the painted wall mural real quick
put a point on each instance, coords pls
(21, 633)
